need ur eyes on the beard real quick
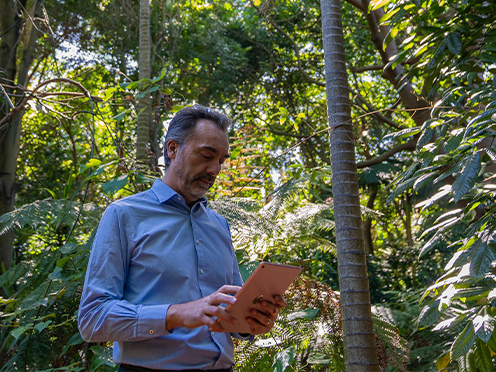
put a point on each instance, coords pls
(196, 185)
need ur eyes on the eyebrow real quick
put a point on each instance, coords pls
(214, 150)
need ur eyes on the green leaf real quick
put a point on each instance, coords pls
(454, 41)
(422, 180)
(246, 269)
(283, 359)
(109, 93)
(16, 333)
(236, 152)
(76, 339)
(376, 4)
(176, 108)
(62, 261)
(67, 186)
(482, 260)
(443, 361)
(303, 314)
(425, 137)
(111, 187)
(484, 327)
(454, 141)
(90, 164)
(41, 326)
(319, 358)
(100, 170)
(408, 132)
(464, 342)
(120, 115)
(69, 247)
(492, 342)
(467, 177)
(430, 314)
(141, 178)
(483, 358)
(148, 91)
(161, 76)
(103, 356)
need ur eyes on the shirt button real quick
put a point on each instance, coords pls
(179, 198)
(151, 331)
(201, 271)
(197, 242)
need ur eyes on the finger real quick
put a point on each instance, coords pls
(230, 289)
(256, 327)
(220, 313)
(269, 306)
(280, 301)
(213, 326)
(263, 319)
(218, 298)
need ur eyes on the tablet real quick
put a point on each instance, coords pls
(268, 280)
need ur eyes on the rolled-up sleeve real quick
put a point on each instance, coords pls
(104, 315)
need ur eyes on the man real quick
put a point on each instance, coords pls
(163, 268)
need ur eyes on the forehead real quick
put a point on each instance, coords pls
(208, 135)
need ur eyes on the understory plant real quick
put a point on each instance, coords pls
(455, 161)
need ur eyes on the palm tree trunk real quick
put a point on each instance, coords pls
(360, 349)
(144, 107)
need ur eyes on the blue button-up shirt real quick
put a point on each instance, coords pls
(150, 251)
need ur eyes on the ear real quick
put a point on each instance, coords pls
(172, 147)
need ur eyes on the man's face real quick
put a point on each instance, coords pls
(196, 163)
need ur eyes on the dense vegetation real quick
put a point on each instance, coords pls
(422, 87)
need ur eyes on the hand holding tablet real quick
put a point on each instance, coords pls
(263, 288)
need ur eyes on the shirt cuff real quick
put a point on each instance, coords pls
(151, 322)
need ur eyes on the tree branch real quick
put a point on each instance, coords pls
(372, 111)
(356, 4)
(410, 146)
(25, 100)
(367, 68)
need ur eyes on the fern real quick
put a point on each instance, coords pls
(44, 287)
(315, 334)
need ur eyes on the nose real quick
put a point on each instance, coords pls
(214, 168)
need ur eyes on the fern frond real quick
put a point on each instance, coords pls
(39, 215)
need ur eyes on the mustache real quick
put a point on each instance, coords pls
(205, 176)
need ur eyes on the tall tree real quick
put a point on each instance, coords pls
(144, 108)
(13, 82)
(358, 330)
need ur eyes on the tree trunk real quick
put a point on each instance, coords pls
(367, 224)
(10, 132)
(144, 107)
(360, 349)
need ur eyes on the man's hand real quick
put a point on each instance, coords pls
(200, 312)
(262, 322)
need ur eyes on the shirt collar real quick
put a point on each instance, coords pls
(164, 193)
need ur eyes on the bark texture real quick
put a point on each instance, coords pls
(358, 330)
(144, 107)
(10, 26)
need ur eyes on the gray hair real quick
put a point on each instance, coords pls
(183, 124)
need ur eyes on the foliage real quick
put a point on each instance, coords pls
(38, 319)
(455, 157)
(262, 63)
